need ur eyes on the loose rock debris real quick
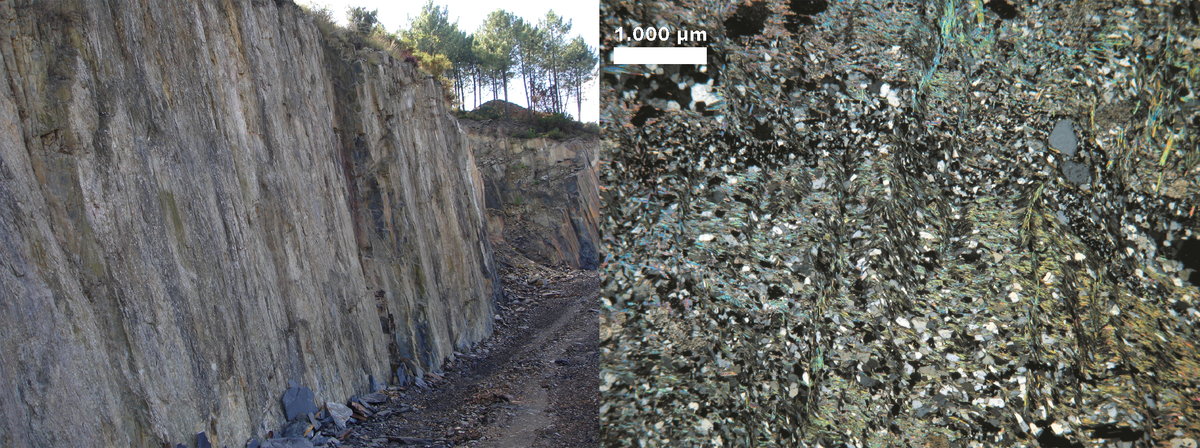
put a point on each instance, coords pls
(534, 383)
(544, 349)
(956, 223)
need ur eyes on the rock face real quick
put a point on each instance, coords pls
(542, 195)
(200, 201)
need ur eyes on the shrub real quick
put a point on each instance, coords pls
(435, 64)
(363, 21)
(322, 17)
(483, 113)
(556, 120)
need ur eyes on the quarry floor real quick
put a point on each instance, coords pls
(534, 383)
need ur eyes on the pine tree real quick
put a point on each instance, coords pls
(495, 42)
(580, 60)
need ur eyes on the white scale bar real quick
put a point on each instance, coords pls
(660, 55)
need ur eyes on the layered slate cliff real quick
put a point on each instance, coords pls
(542, 194)
(200, 202)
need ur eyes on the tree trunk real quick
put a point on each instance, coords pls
(525, 85)
(506, 112)
(558, 102)
(458, 88)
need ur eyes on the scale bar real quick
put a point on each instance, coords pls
(660, 55)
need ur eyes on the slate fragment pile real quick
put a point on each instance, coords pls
(941, 224)
(309, 425)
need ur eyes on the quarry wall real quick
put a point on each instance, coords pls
(542, 194)
(200, 202)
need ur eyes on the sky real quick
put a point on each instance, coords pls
(584, 16)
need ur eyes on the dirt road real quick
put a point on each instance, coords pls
(534, 383)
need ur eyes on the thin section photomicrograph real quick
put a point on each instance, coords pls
(955, 223)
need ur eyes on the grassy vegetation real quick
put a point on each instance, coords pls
(366, 33)
(555, 126)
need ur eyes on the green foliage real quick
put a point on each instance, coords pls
(483, 113)
(436, 64)
(361, 20)
(554, 121)
(579, 61)
(559, 125)
(431, 31)
(365, 31)
(323, 17)
(495, 42)
(539, 55)
(554, 126)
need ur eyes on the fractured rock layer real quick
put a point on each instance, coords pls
(200, 202)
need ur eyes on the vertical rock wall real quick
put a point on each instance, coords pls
(199, 201)
(543, 195)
